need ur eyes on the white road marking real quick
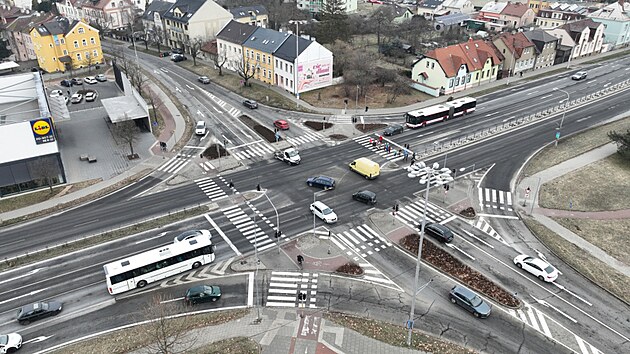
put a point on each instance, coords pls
(220, 232)
(21, 276)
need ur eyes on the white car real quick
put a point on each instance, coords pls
(323, 212)
(90, 80)
(579, 75)
(101, 78)
(9, 343)
(200, 128)
(541, 269)
(192, 234)
(55, 93)
(91, 96)
(76, 98)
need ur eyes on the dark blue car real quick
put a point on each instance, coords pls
(323, 182)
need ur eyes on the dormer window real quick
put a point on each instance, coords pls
(81, 30)
(113, 4)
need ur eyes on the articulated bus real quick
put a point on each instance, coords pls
(141, 269)
(440, 112)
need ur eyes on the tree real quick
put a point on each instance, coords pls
(343, 53)
(360, 72)
(89, 62)
(44, 170)
(4, 52)
(194, 45)
(159, 35)
(155, 102)
(220, 59)
(380, 19)
(168, 332)
(400, 86)
(128, 132)
(623, 142)
(385, 76)
(246, 69)
(334, 23)
(44, 6)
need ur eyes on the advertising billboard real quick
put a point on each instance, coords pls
(314, 74)
(42, 131)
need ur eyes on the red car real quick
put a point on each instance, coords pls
(281, 124)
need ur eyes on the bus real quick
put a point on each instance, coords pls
(141, 269)
(440, 112)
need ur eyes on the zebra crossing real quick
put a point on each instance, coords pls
(309, 137)
(210, 188)
(395, 153)
(234, 112)
(251, 150)
(284, 288)
(532, 317)
(340, 119)
(209, 271)
(493, 199)
(206, 166)
(363, 240)
(482, 224)
(175, 164)
(412, 214)
(248, 228)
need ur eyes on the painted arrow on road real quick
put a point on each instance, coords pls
(21, 276)
(546, 304)
(37, 339)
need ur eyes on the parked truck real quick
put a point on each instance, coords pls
(289, 155)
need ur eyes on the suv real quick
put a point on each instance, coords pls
(366, 197)
(178, 57)
(439, 231)
(323, 212)
(200, 128)
(9, 343)
(579, 75)
(66, 83)
(393, 130)
(250, 104)
(323, 182)
(32, 312)
(470, 301)
(202, 293)
(76, 81)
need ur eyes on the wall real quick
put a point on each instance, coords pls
(315, 68)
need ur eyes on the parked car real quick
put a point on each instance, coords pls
(200, 128)
(66, 83)
(202, 293)
(323, 212)
(77, 81)
(250, 104)
(536, 266)
(579, 75)
(323, 182)
(101, 78)
(10, 343)
(439, 231)
(470, 301)
(281, 124)
(55, 93)
(186, 235)
(393, 130)
(177, 51)
(204, 80)
(33, 312)
(76, 98)
(90, 80)
(365, 196)
(178, 57)
(91, 96)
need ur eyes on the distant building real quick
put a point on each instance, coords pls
(18, 35)
(188, 20)
(255, 15)
(107, 14)
(558, 14)
(501, 16)
(578, 39)
(546, 45)
(316, 6)
(519, 53)
(537, 5)
(616, 19)
(153, 17)
(230, 43)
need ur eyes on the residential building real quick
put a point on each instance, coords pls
(60, 44)
(519, 53)
(258, 52)
(230, 43)
(314, 65)
(430, 9)
(23, 4)
(443, 23)
(458, 6)
(255, 15)
(316, 6)
(537, 5)
(192, 20)
(545, 47)
(19, 38)
(616, 19)
(558, 14)
(456, 67)
(501, 16)
(395, 14)
(578, 39)
(107, 14)
(9, 13)
(153, 17)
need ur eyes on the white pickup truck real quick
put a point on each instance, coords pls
(290, 156)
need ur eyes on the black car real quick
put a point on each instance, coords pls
(76, 81)
(366, 197)
(177, 51)
(250, 104)
(323, 182)
(179, 57)
(393, 130)
(470, 301)
(66, 83)
(33, 312)
(439, 231)
(202, 293)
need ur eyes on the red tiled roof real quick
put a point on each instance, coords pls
(515, 9)
(516, 42)
(472, 53)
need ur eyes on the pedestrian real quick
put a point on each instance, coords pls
(405, 155)
(389, 148)
(413, 157)
(380, 139)
(374, 143)
(370, 141)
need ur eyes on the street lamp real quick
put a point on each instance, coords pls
(426, 173)
(314, 200)
(564, 111)
(277, 220)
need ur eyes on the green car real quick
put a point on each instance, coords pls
(202, 293)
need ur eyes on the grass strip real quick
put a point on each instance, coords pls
(236, 345)
(395, 334)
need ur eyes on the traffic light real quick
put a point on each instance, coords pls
(366, 108)
(258, 187)
(231, 185)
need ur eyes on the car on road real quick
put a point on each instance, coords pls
(281, 124)
(91, 96)
(55, 93)
(90, 80)
(77, 81)
(536, 266)
(65, 83)
(438, 231)
(36, 311)
(323, 182)
(393, 130)
(204, 79)
(365, 196)
(76, 98)
(323, 212)
(470, 301)
(251, 104)
(9, 343)
(187, 235)
(101, 78)
(200, 128)
(580, 75)
(178, 57)
(202, 293)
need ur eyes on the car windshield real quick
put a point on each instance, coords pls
(476, 301)
(4, 339)
(292, 153)
(549, 269)
(327, 211)
(200, 125)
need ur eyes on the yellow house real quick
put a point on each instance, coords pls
(536, 5)
(258, 52)
(63, 43)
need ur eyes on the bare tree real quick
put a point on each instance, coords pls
(44, 170)
(360, 72)
(246, 69)
(89, 62)
(155, 102)
(159, 35)
(220, 59)
(128, 132)
(194, 45)
(167, 331)
(400, 86)
(136, 77)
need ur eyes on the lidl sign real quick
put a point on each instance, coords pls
(42, 131)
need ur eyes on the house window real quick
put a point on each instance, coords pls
(257, 56)
(269, 74)
(113, 4)
(81, 30)
(76, 44)
(264, 72)
(54, 59)
(84, 42)
(92, 40)
(79, 57)
(450, 83)
(50, 45)
(269, 60)
(457, 81)
(95, 52)
(432, 65)
(468, 78)
(65, 52)
(427, 64)
(63, 41)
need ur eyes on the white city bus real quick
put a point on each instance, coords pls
(440, 112)
(141, 269)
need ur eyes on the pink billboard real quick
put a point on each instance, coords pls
(314, 74)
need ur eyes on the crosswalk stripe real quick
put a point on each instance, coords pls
(581, 344)
(509, 198)
(543, 323)
(358, 235)
(532, 319)
(351, 238)
(283, 285)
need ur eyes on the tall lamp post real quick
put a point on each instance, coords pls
(297, 55)
(441, 176)
(564, 111)
(277, 220)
